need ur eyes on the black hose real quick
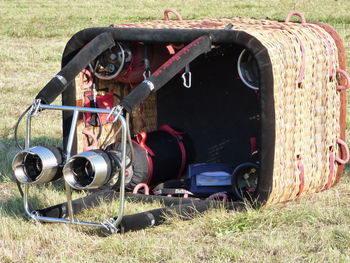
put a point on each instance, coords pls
(19, 188)
(17, 125)
(19, 146)
(158, 216)
(94, 199)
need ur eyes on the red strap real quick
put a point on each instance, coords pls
(253, 148)
(301, 177)
(178, 136)
(141, 140)
(329, 49)
(303, 55)
(150, 169)
(85, 79)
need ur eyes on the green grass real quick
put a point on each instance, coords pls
(33, 35)
(51, 19)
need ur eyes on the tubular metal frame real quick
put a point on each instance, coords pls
(110, 224)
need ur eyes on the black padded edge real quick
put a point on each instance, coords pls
(185, 36)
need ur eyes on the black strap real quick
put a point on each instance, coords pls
(80, 61)
(186, 208)
(158, 216)
(166, 72)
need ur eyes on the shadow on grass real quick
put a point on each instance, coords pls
(13, 206)
(8, 150)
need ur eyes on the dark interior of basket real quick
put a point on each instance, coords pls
(219, 112)
(226, 121)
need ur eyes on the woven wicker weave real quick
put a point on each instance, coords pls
(304, 61)
(144, 117)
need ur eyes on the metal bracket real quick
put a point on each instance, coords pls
(115, 113)
(35, 109)
(110, 225)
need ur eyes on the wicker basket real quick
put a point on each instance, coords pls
(301, 102)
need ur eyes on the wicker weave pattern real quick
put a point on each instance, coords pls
(209, 23)
(307, 116)
(144, 117)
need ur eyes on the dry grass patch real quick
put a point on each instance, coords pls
(315, 229)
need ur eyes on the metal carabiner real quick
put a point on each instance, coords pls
(115, 112)
(187, 82)
(109, 225)
(34, 110)
(146, 74)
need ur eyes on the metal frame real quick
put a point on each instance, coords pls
(110, 224)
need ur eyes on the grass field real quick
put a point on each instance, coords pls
(33, 35)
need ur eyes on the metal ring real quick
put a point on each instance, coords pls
(241, 73)
(289, 16)
(343, 146)
(110, 225)
(219, 195)
(119, 69)
(346, 76)
(140, 186)
(116, 112)
(35, 107)
(170, 10)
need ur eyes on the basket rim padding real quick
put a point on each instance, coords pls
(283, 52)
(219, 36)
